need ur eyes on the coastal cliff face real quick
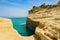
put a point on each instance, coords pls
(45, 22)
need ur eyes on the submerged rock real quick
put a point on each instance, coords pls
(23, 24)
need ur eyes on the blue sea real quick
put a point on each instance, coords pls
(21, 29)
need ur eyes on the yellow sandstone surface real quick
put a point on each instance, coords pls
(8, 33)
(48, 27)
(45, 22)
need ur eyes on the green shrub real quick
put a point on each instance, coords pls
(47, 6)
(36, 9)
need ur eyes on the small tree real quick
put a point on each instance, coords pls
(43, 5)
(34, 7)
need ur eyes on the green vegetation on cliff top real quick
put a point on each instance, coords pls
(43, 6)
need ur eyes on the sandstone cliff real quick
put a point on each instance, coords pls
(45, 22)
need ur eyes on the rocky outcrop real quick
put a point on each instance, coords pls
(46, 23)
(58, 4)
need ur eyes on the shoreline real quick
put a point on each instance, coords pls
(7, 30)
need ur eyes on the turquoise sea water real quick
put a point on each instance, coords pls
(22, 30)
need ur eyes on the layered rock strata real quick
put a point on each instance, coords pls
(46, 23)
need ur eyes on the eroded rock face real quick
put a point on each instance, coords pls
(48, 27)
(31, 23)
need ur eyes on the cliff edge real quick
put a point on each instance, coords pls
(45, 21)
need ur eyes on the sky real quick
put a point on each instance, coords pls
(20, 8)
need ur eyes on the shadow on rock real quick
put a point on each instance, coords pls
(31, 26)
(37, 37)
